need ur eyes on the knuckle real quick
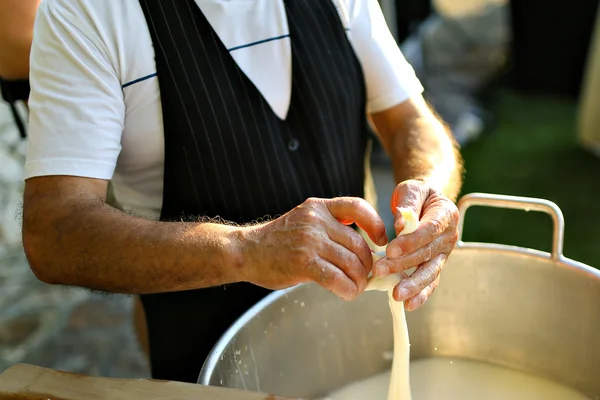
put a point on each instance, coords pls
(304, 237)
(431, 250)
(412, 286)
(359, 246)
(437, 227)
(453, 236)
(414, 290)
(437, 269)
(416, 258)
(411, 241)
(336, 277)
(408, 261)
(348, 260)
(302, 258)
(336, 281)
(356, 202)
(437, 246)
(355, 263)
(341, 257)
(319, 274)
(310, 217)
(454, 214)
(324, 274)
(425, 278)
(357, 243)
(311, 201)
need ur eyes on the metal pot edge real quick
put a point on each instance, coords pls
(211, 362)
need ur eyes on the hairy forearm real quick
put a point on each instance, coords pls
(96, 246)
(425, 150)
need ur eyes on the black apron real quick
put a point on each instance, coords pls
(228, 155)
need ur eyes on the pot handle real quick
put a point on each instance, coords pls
(516, 203)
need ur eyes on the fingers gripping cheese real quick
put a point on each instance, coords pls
(385, 283)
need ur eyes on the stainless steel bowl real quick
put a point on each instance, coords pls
(521, 308)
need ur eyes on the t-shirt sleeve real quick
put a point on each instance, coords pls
(76, 105)
(389, 78)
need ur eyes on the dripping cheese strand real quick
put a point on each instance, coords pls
(399, 388)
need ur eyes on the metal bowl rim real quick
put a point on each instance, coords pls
(213, 358)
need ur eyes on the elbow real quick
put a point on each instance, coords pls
(39, 260)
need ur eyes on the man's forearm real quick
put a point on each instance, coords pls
(425, 150)
(99, 247)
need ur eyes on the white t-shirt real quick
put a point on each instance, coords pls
(95, 101)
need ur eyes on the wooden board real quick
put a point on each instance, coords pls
(28, 382)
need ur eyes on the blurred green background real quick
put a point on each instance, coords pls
(533, 151)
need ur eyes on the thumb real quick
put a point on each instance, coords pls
(408, 195)
(350, 210)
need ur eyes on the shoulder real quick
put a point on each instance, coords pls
(350, 10)
(115, 29)
(361, 16)
(82, 54)
(89, 9)
(85, 13)
(389, 79)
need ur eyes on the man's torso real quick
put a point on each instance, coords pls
(96, 103)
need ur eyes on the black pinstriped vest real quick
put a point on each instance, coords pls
(228, 155)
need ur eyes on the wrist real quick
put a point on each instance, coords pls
(241, 244)
(420, 179)
(428, 181)
(232, 257)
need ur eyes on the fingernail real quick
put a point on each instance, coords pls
(383, 239)
(382, 270)
(394, 252)
(414, 304)
(403, 293)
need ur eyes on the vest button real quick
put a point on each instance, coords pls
(293, 144)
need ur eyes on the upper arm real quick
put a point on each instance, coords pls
(16, 30)
(76, 105)
(389, 78)
(54, 193)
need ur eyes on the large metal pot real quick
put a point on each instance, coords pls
(506, 305)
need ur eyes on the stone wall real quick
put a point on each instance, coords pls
(12, 158)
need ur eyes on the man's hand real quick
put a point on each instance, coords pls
(313, 242)
(427, 248)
